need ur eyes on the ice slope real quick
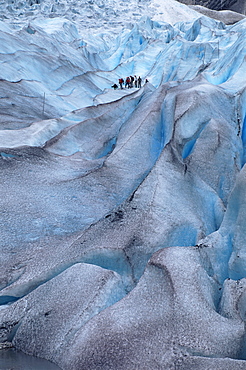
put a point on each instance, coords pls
(122, 211)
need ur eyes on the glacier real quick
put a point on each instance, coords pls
(123, 211)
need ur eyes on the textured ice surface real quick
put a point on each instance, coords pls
(96, 182)
(98, 13)
(162, 322)
(64, 303)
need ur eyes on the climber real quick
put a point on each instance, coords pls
(132, 79)
(139, 82)
(121, 81)
(128, 82)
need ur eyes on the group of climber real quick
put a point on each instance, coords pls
(130, 81)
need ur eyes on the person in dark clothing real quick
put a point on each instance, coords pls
(135, 81)
(132, 79)
(128, 82)
(139, 82)
(121, 82)
(115, 86)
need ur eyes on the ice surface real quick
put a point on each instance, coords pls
(65, 303)
(98, 13)
(96, 182)
(162, 323)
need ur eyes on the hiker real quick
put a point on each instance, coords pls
(128, 82)
(132, 79)
(139, 82)
(135, 81)
(121, 82)
(115, 86)
(146, 80)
